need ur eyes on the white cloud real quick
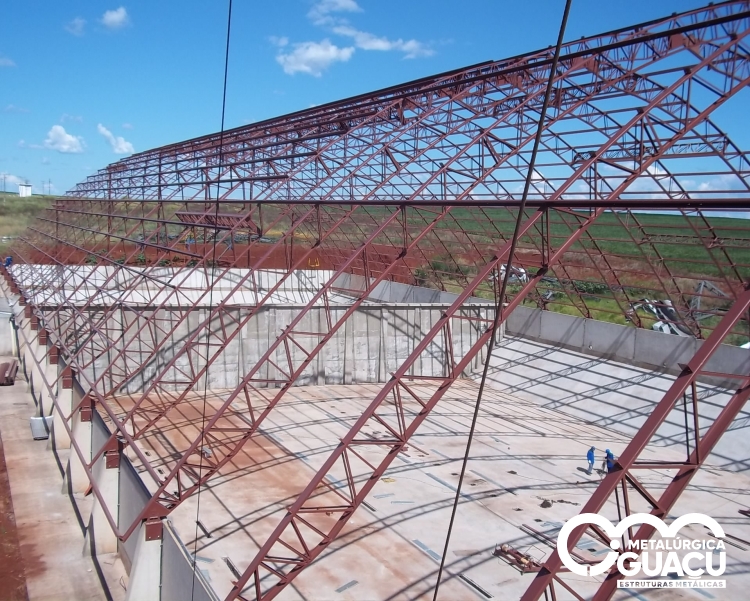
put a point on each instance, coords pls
(12, 180)
(721, 183)
(320, 10)
(65, 117)
(655, 170)
(279, 41)
(22, 144)
(118, 143)
(127, 126)
(76, 26)
(61, 141)
(313, 57)
(6, 62)
(115, 19)
(12, 108)
(369, 41)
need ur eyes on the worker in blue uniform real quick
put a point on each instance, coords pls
(591, 458)
(609, 461)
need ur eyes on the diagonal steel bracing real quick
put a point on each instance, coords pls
(416, 184)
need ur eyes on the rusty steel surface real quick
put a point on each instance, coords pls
(637, 198)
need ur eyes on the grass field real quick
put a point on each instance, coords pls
(672, 244)
(16, 214)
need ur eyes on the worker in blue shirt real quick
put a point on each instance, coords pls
(590, 456)
(609, 461)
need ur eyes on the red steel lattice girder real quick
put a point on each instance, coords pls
(417, 184)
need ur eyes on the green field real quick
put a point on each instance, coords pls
(16, 214)
(637, 255)
(644, 249)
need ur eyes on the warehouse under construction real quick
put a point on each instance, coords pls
(361, 351)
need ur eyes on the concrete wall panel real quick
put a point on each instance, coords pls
(178, 580)
(133, 498)
(563, 327)
(645, 348)
(99, 432)
(525, 322)
(663, 350)
(730, 358)
(375, 340)
(602, 338)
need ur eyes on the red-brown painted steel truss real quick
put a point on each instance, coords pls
(418, 184)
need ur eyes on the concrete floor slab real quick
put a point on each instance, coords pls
(611, 394)
(526, 470)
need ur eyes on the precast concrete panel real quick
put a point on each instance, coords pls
(179, 581)
(730, 359)
(133, 498)
(525, 322)
(566, 328)
(607, 339)
(99, 432)
(663, 350)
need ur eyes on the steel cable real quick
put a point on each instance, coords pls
(501, 295)
(211, 292)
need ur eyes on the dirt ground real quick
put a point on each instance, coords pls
(12, 579)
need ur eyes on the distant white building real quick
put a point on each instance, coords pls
(24, 190)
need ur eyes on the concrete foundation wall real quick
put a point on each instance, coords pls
(395, 292)
(6, 334)
(133, 498)
(176, 561)
(105, 285)
(635, 346)
(178, 579)
(99, 434)
(372, 343)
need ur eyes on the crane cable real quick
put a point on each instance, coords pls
(211, 290)
(501, 295)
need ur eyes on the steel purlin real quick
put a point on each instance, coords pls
(700, 26)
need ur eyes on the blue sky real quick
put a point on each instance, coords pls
(84, 83)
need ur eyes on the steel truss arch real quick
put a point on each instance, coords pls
(414, 184)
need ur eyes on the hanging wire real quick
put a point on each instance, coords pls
(501, 296)
(211, 290)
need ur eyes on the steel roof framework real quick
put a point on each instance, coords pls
(417, 183)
